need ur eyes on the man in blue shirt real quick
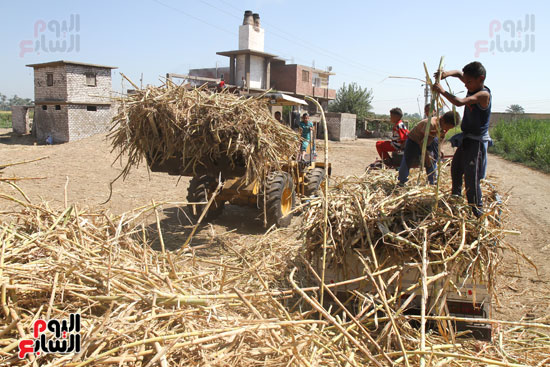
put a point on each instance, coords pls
(470, 159)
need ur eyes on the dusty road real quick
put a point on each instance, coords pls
(86, 168)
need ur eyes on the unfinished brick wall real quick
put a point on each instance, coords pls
(84, 123)
(341, 126)
(51, 122)
(56, 92)
(20, 120)
(283, 77)
(79, 91)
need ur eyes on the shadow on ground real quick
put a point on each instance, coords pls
(176, 226)
(11, 138)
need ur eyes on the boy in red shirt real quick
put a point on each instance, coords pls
(399, 135)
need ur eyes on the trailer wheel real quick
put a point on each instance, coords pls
(280, 199)
(313, 181)
(200, 190)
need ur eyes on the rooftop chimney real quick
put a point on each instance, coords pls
(256, 18)
(251, 34)
(248, 18)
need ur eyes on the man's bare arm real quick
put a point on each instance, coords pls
(482, 97)
(454, 73)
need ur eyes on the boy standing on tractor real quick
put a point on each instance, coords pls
(470, 159)
(399, 135)
(305, 128)
(413, 145)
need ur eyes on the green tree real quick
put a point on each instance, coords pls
(5, 103)
(515, 108)
(412, 116)
(352, 99)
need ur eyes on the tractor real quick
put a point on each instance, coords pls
(276, 193)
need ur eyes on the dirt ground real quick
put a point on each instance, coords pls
(86, 169)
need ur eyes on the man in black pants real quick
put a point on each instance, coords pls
(470, 159)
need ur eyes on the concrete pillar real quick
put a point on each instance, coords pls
(247, 70)
(267, 75)
(232, 75)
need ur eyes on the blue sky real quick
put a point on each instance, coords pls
(363, 41)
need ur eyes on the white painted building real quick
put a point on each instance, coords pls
(250, 63)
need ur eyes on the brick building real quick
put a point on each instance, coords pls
(255, 70)
(72, 100)
(301, 80)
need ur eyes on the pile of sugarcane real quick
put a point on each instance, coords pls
(138, 306)
(201, 127)
(239, 302)
(373, 211)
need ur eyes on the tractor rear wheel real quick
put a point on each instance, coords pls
(313, 180)
(200, 190)
(280, 199)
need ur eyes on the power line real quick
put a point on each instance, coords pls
(194, 17)
(353, 77)
(305, 43)
(235, 34)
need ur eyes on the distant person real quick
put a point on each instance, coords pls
(295, 120)
(222, 84)
(243, 83)
(278, 117)
(399, 135)
(413, 145)
(305, 128)
(427, 110)
(470, 159)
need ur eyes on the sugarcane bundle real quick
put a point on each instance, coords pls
(200, 127)
(373, 210)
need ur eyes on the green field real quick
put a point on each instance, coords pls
(524, 141)
(5, 119)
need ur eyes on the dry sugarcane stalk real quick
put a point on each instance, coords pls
(194, 321)
(433, 104)
(2, 166)
(424, 299)
(325, 314)
(325, 191)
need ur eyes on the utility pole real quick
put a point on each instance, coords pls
(427, 96)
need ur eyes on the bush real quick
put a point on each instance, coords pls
(525, 141)
(5, 119)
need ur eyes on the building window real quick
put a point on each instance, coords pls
(57, 107)
(49, 79)
(90, 79)
(91, 108)
(305, 76)
(44, 107)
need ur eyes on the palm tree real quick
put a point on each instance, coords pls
(515, 109)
